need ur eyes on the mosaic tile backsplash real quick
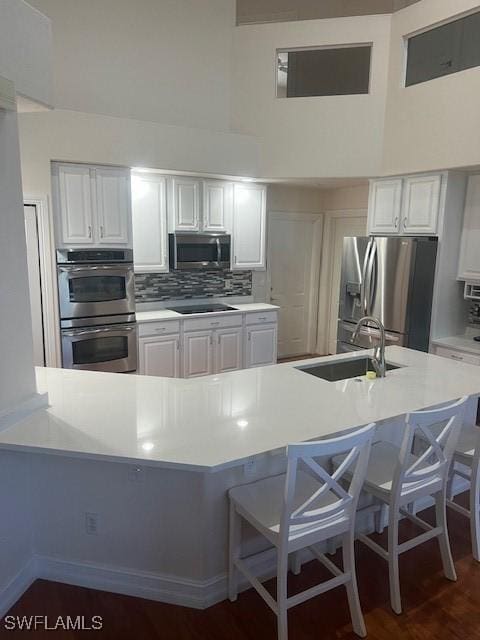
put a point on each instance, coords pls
(182, 285)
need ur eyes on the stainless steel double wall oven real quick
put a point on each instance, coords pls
(97, 309)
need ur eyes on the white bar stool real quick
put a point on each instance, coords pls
(297, 510)
(397, 478)
(467, 453)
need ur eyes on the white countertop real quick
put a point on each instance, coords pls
(218, 421)
(463, 342)
(167, 314)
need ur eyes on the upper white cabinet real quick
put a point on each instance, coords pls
(249, 226)
(469, 263)
(185, 203)
(149, 211)
(113, 205)
(384, 206)
(405, 206)
(217, 205)
(92, 205)
(421, 201)
(74, 204)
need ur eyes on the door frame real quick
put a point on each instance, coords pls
(46, 246)
(315, 266)
(325, 300)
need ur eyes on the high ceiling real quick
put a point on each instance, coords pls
(255, 11)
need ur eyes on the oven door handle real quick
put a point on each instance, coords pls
(68, 269)
(73, 334)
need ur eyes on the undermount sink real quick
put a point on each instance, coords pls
(343, 369)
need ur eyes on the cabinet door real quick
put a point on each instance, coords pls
(217, 205)
(113, 205)
(469, 264)
(261, 347)
(160, 356)
(185, 200)
(228, 354)
(421, 201)
(149, 213)
(249, 217)
(74, 204)
(384, 204)
(197, 353)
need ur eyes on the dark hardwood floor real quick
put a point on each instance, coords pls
(434, 608)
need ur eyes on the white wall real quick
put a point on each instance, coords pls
(436, 124)
(345, 198)
(165, 61)
(26, 50)
(309, 137)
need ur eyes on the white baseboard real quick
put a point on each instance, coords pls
(197, 594)
(17, 586)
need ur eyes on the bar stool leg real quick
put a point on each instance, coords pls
(443, 541)
(348, 551)
(234, 549)
(282, 621)
(393, 570)
(475, 509)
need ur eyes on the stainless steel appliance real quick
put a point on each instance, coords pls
(199, 250)
(95, 282)
(97, 309)
(201, 308)
(391, 279)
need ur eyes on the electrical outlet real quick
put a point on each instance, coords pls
(91, 523)
(136, 474)
(250, 467)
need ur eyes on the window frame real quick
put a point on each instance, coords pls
(349, 45)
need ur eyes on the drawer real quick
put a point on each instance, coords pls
(158, 328)
(458, 356)
(260, 317)
(213, 322)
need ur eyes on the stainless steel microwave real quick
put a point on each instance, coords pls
(199, 250)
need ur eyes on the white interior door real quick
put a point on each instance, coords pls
(294, 242)
(35, 285)
(339, 228)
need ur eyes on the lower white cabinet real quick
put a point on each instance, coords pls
(198, 353)
(261, 345)
(459, 356)
(228, 350)
(211, 344)
(160, 356)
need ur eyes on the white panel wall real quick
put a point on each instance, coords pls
(26, 50)
(165, 61)
(436, 124)
(319, 136)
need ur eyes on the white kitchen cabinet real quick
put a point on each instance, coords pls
(228, 349)
(217, 205)
(185, 203)
(159, 356)
(249, 226)
(92, 205)
(198, 353)
(74, 204)
(469, 262)
(384, 206)
(421, 202)
(149, 213)
(261, 345)
(113, 198)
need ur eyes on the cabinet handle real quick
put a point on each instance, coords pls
(395, 224)
(160, 329)
(456, 357)
(249, 335)
(211, 339)
(101, 231)
(178, 345)
(89, 230)
(405, 220)
(262, 318)
(214, 324)
(219, 338)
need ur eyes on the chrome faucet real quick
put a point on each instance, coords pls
(378, 358)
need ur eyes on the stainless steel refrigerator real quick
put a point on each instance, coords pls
(391, 279)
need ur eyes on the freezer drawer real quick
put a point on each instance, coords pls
(366, 339)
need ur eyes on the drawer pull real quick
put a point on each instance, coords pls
(262, 318)
(456, 357)
(214, 324)
(159, 330)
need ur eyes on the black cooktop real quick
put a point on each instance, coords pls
(201, 308)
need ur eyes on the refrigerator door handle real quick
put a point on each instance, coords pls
(363, 287)
(369, 285)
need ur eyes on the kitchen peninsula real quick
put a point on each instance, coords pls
(162, 514)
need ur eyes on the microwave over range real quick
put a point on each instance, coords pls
(199, 251)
